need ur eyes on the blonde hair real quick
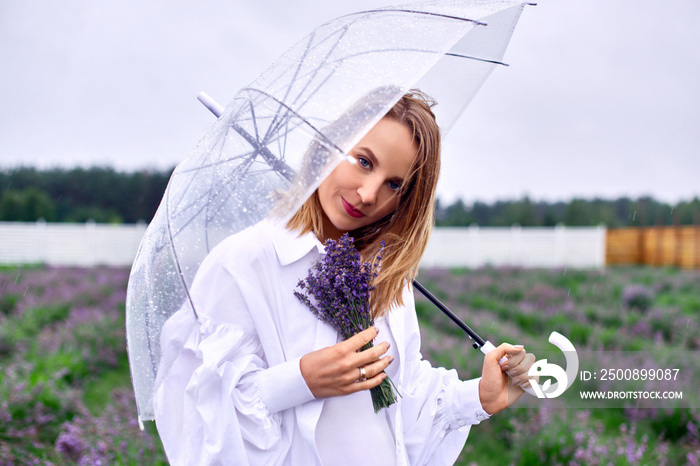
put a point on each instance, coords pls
(406, 231)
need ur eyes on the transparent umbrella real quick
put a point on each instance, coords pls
(279, 137)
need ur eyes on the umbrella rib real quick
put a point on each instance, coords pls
(254, 120)
(191, 181)
(451, 54)
(301, 62)
(276, 163)
(245, 166)
(258, 145)
(174, 252)
(282, 141)
(291, 82)
(218, 162)
(345, 29)
(456, 55)
(317, 44)
(496, 62)
(418, 12)
(185, 190)
(186, 207)
(316, 130)
(198, 168)
(187, 223)
(208, 204)
(316, 69)
(192, 217)
(247, 158)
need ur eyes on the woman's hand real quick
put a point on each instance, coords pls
(335, 370)
(497, 391)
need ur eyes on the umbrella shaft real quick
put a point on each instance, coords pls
(276, 163)
(478, 341)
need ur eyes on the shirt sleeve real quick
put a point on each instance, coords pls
(218, 398)
(438, 409)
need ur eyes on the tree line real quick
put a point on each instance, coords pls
(621, 212)
(101, 194)
(105, 195)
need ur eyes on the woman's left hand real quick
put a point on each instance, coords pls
(497, 391)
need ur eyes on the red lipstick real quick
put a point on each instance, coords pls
(353, 212)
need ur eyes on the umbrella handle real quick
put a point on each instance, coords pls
(211, 104)
(561, 342)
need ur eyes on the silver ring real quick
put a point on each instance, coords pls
(363, 374)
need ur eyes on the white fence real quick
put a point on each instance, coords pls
(84, 244)
(529, 247)
(92, 244)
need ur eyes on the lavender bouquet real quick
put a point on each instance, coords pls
(337, 292)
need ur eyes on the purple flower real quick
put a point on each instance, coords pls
(70, 445)
(337, 292)
(337, 288)
(637, 296)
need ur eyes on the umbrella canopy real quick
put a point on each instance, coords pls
(280, 136)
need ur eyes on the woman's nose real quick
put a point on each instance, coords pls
(368, 191)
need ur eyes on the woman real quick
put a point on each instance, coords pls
(263, 381)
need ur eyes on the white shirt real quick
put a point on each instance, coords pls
(369, 431)
(231, 390)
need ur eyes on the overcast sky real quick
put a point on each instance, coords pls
(601, 98)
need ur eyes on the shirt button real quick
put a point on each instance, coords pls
(461, 422)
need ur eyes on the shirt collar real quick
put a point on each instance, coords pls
(290, 246)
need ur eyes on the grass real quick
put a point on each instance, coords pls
(97, 392)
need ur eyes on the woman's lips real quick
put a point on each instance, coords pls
(353, 212)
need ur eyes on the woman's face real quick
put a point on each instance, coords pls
(354, 196)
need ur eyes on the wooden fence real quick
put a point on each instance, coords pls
(677, 246)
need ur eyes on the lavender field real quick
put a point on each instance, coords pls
(65, 393)
(617, 313)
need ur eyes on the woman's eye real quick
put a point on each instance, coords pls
(363, 162)
(394, 185)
